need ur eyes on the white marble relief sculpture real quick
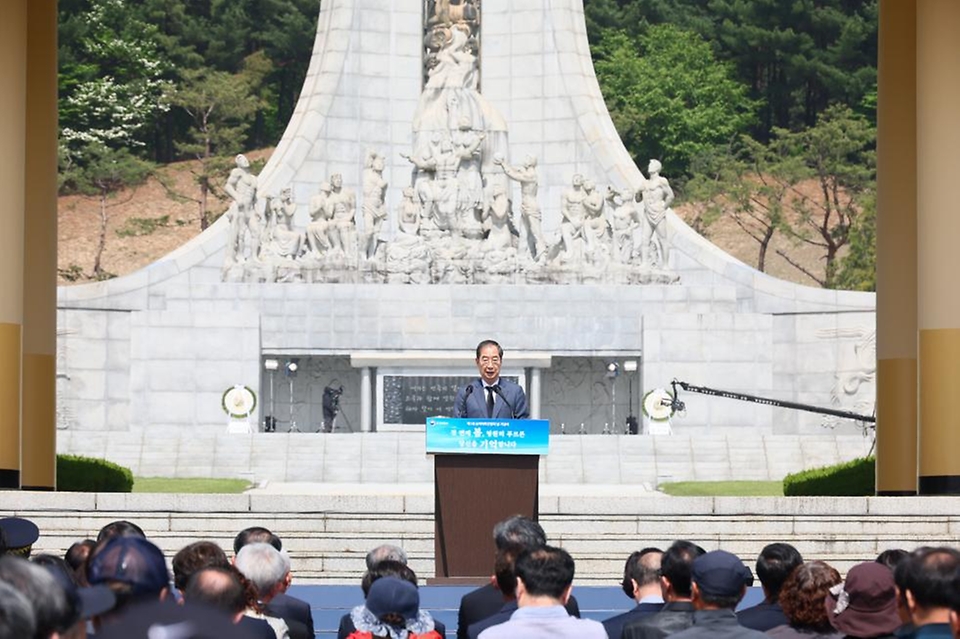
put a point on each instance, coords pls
(854, 387)
(243, 240)
(374, 203)
(526, 175)
(342, 205)
(657, 196)
(318, 229)
(625, 220)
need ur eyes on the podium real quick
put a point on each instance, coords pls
(484, 471)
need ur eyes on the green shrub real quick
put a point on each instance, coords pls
(88, 475)
(851, 479)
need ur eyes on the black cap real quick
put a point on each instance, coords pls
(17, 536)
(720, 574)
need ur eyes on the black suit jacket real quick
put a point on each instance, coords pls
(258, 628)
(511, 405)
(346, 627)
(295, 612)
(673, 617)
(614, 625)
(487, 601)
(762, 617)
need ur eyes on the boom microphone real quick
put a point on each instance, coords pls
(513, 411)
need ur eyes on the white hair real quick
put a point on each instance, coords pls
(263, 565)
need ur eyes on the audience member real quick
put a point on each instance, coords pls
(17, 619)
(955, 606)
(195, 556)
(255, 535)
(392, 609)
(675, 584)
(891, 557)
(84, 603)
(924, 582)
(386, 568)
(52, 611)
(120, 528)
(76, 557)
(17, 536)
(641, 582)
(486, 601)
(774, 565)
(268, 569)
(295, 612)
(719, 582)
(505, 575)
(864, 606)
(133, 568)
(223, 588)
(385, 552)
(803, 599)
(544, 580)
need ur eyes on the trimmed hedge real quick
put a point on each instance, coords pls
(851, 479)
(88, 475)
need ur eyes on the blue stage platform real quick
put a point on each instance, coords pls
(329, 603)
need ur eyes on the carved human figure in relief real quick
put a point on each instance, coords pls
(245, 223)
(374, 207)
(284, 240)
(571, 218)
(318, 230)
(456, 65)
(595, 226)
(657, 196)
(526, 175)
(496, 220)
(626, 218)
(470, 182)
(440, 193)
(341, 205)
(408, 217)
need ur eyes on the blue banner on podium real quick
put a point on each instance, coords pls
(488, 436)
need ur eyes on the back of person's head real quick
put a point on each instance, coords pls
(675, 565)
(219, 587)
(385, 552)
(642, 567)
(518, 531)
(505, 570)
(720, 579)
(546, 571)
(52, 610)
(774, 565)
(265, 567)
(892, 557)
(120, 528)
(132, 567)
(255, 535)
(387, 568)
(804, 594)
(393, 601)
(17, 619)
(193, 557)
(927, 575)
(76, 557)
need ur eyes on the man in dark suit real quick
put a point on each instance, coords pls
(491, 396)
(484, 602)
(774, 565)
(641, 582)
(676, 565)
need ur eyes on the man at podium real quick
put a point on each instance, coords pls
(491, 396)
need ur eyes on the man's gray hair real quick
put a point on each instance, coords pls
(52, 611)
(519, 531)
(386, 552)
(16, 616)
(263, 565)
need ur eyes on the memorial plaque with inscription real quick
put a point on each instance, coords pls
(411, 399)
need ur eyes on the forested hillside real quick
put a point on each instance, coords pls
(762, 111)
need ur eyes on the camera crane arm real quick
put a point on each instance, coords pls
(677, 405)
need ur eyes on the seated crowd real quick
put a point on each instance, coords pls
(118, 585)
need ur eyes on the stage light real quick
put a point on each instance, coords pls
(291, 366)
(613, 369)
(630, 366)
(271, 364)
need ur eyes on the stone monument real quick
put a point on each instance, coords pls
(450, 174)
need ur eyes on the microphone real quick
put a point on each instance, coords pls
(466, 395)
(513, 411)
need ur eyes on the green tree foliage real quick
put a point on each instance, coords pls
(668, 97)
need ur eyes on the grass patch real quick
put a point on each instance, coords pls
(191, 485)
(718, 488)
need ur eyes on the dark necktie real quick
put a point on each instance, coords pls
(489, 390)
